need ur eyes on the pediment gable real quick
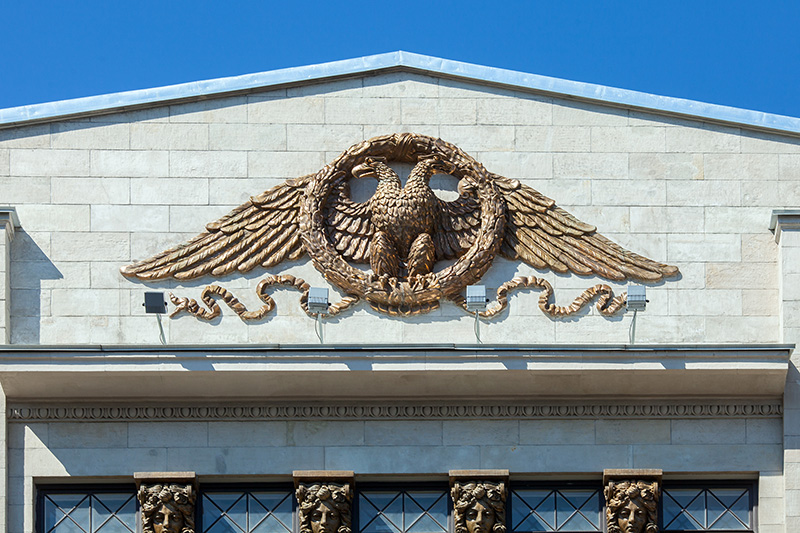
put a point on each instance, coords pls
(393, 74)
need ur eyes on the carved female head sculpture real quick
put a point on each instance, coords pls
(167, 508)
(631, 506)
(324, 508)
(479, 507)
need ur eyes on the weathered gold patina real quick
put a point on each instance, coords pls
(631, 506)
(324, 507)
(401, 232)
(479, 506)
(167, 508)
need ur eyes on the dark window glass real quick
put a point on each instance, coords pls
(253, 511)
(707, 508)
(403, 511)
(567, 510)
(82, 511)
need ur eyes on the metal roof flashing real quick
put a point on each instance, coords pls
(395, 61)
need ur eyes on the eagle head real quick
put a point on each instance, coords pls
(371, 167)
(433, 165)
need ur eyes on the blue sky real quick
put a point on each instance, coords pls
(738, 53)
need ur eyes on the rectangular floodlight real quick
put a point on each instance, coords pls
(154, 303)
(637, 299)
(476, 297)
(318, 300)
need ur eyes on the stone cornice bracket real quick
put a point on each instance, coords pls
(784, 219)
(324, 500)
(479, 496)
(311, 477)
(463, 476)
(9, 220)
(631, 497)
(167, 501)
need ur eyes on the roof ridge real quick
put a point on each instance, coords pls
(140, 98)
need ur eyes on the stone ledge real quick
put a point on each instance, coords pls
(9, 220)
(156, 477)
(376, 373)
(323, 476)
(480, 475)
(614, 474)
(784, 219)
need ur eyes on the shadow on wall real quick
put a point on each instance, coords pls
(30, 266)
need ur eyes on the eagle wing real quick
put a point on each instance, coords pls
(548, 237)
(261, 232)
(456, 226)
(349, 224)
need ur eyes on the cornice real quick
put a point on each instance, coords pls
(782, 220)
(393, 62)
(444, 373)
(9, 220)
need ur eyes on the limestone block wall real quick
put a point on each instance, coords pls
(251, 451)
(99, 192)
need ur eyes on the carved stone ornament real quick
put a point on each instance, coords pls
(167, 508)
(631, 506)
(730, 409)
(402, 233)
(324, 507)
(479, 507)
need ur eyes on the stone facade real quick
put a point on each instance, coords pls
(97, 191)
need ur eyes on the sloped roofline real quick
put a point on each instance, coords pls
(395, 61)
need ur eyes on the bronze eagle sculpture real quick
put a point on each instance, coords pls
(401, 232)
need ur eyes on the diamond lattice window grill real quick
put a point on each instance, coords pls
(247, 512)
(555, 510)
(403, 512)
(706, 509)
(110, 512)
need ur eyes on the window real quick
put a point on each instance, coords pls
(707, 507)
(76, 510)
(565, 509)
(247, 511)
(403, 511)
(723, 507)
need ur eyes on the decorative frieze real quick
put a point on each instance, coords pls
(120, 413)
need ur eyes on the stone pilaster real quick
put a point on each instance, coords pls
(8, 221)
(786, 225)
(167, 501)
(3, 463)
(632, 500)
(324, 500)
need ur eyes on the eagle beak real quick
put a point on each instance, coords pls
(367, 169)
(364, 170)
